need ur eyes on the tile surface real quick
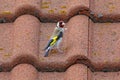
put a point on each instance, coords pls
(91, 42)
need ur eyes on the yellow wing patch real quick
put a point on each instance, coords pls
(54, 40)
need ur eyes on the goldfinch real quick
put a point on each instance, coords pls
(56, 38)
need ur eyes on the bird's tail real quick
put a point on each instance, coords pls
(46, 52)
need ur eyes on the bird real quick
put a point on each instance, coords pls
(56, 38)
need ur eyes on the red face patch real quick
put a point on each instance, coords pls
(61, 24)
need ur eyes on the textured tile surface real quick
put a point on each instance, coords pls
(105, 41)
(90, 50)
(106, 10)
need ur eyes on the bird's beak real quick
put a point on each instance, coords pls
(63, 23)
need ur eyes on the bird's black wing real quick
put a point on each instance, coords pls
(60, 35)
(48, 44)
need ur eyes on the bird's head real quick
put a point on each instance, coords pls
(60, 24)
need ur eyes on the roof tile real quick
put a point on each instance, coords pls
(90, 50)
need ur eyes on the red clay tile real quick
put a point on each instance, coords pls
(10, 9)
(46, 10)
(30, 37)
(6, 41)
(75, 72)
(61, 9)
(27, 7)
(71, 50)
(5, 76)
(96, 45)
(103, 75)
(106, 76)
(105, 10)
(78, 32)
(28, 72)
(54, 10)
(104, 45)
(24, 72)
(26, 37)
(51, 76)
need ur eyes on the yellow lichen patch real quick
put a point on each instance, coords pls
(62, 12)
(48, 37)
(64, 48)
(96, 53)
(1, 49)
(117, 59)
(111, 7)
(6, 12)
(54, 51)
(63, 7)
(100, 33)
(105, 62)
(41, 59)
(45, 3)
(110, 10)
(44, 6)
(55, 8)
(51, 11)
(112, 52)
(17, 45)
(27, 32)
(107, 23)
(7, 55)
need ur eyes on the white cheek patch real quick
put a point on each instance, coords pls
(58, 24)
